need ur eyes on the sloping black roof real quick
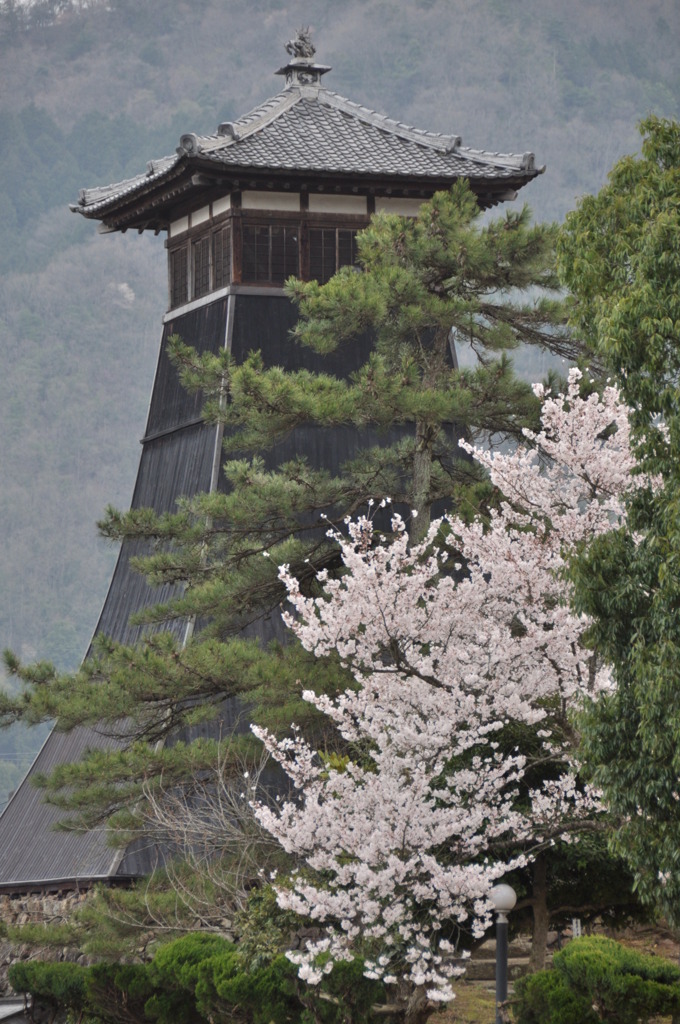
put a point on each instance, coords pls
(32, 855)
(307, 129)
(177, 460)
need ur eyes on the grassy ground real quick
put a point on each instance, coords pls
(473, 1005)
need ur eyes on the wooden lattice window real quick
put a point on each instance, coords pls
(270, 253)
(200, 267)
(221, 247)
(179, 277)
(330, 249)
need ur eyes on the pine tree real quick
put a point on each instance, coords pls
(423, 283)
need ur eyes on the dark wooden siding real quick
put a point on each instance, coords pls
(264, 322)
(202, 328)
(174, 465)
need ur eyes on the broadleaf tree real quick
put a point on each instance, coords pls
(620, 256)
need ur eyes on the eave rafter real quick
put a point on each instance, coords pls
(161, 203)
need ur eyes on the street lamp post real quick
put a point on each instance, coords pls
(503, 898)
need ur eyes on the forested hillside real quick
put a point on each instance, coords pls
(90, 91)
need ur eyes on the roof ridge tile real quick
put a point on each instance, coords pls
(436, 140)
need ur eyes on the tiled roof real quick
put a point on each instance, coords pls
(307, 128)
(328, 133)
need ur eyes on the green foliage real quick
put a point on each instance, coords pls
(263, 928)
(583, 879)
(115, 923)
(105, 993)
(597, 979)
(199, 978)
(50, 935)
(427, 273)
(263, 995)
(619, 255)
(59, 986)
(545, 997)
(175, 972)
(353, 995)
(226, 991)
(117, 993)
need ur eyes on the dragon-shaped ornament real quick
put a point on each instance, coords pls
(302, 45)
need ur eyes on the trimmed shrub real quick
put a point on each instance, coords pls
(196, 979)
(225, 992)
(597, 979)
(545, 998)
(56, 986)
(356, 995)
(274, 995)
(118, 992)
(175, 972)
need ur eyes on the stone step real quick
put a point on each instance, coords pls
(485, 970)
(520, 946)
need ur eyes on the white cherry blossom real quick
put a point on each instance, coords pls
(445, 651)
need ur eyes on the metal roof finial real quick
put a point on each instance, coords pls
(302, 45)
(301, 69)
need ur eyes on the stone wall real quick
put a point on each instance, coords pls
(45, 908)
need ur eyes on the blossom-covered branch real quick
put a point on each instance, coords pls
(449, 641)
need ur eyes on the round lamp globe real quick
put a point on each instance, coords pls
(503, 898)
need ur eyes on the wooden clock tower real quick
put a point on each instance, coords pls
(281, 191)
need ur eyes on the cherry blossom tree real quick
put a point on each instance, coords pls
(449, 641)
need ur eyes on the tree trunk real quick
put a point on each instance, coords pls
(435, 362)
(422, 473)
(539, 938)
(418, 1007)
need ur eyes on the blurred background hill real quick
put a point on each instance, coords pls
(90, 90)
